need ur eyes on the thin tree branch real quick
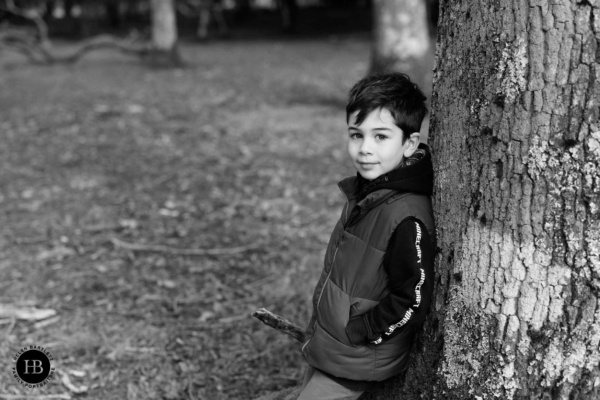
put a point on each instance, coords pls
(42, 55)
(20, 45)
(103, 42)
(281, 324)
(33, 16)
(182, 252)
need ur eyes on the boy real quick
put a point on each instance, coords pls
(377, 282)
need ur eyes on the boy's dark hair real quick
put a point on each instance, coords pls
(394, 91)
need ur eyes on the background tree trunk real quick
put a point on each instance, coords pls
(113, 14)
(288, 10)
(164, 33)
(515, 133)
(400, 38)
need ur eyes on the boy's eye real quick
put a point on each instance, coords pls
(380, 137)
(355, 135)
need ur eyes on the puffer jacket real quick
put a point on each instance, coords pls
(354, 281)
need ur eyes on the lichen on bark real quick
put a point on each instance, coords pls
(512, 69)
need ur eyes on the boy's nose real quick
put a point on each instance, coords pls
(365, 147)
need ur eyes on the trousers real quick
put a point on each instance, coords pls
(318, 386)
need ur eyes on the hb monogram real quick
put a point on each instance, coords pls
(35, 366)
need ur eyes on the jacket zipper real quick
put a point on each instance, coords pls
(337, 246)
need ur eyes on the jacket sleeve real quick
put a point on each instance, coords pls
(409, 251)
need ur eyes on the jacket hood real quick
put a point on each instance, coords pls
(414, 176)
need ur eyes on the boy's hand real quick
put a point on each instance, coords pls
(357, 330)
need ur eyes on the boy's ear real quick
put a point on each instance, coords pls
(412, 143)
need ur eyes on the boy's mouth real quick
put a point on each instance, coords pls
(367, 165)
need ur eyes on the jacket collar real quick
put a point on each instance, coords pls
(350, 189)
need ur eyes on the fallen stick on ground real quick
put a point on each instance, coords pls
(25, 313)
(280, 323)
(182, 252)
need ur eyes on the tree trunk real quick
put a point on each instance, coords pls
(432, 8)
(113, 14)
(288, 10)
(516, 144)
(164, 34)
(400, 38)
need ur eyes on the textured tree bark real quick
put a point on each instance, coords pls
(164, 34)
(400, 37)
(515, 133)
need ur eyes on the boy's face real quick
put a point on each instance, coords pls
(375, 146)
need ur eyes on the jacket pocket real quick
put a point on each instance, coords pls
(325, 352)
(359, 306)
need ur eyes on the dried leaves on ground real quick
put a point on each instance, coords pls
(147, 213)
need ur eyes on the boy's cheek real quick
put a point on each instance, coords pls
(351, 151)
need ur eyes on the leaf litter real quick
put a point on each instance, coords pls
(116, 183)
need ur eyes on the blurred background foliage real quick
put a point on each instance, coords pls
(80, 18)
(24, 23)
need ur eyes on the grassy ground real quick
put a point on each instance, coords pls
(242, 147)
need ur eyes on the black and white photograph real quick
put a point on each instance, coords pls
(300, 199)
